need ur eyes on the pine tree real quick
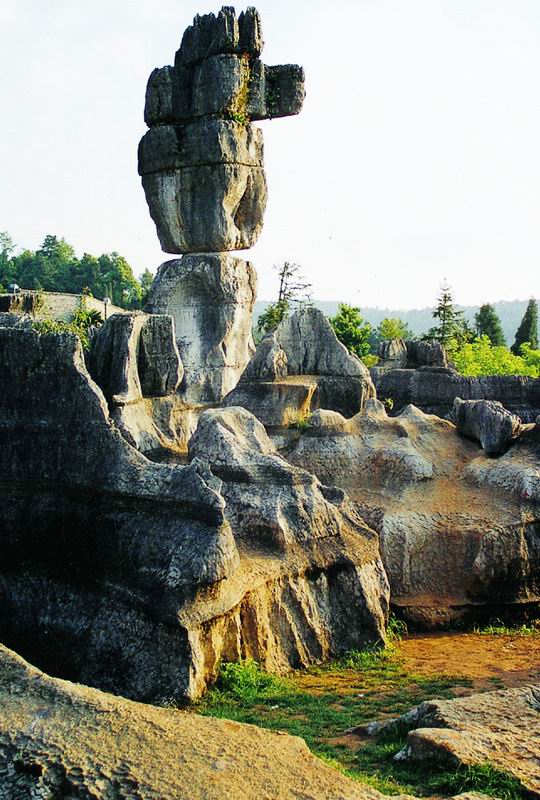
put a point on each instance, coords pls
(488, 324)
(452, 328)
(293, 288)
(528, 329)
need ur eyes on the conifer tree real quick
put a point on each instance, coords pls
(452, 328)
(488, 324)
(528, 328)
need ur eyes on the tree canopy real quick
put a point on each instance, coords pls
(54, 267)
(528, 329)
(452, 329)
(352, 331)
(293, 288)
(488, 324)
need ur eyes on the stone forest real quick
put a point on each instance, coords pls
(184, 512)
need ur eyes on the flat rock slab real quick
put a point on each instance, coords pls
(501, 728)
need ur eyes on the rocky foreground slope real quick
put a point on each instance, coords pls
(59, 740)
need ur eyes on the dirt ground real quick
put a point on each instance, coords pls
(507, 660)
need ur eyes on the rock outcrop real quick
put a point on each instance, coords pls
(128, 575)
(211, 301)
(201, 162)
(434, 389)
(500, 728)
(299, 368)
(458, 529)
(487, 422)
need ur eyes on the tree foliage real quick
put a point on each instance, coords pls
(293, 289)
(352, 331)
(528, 328)
(452, 329)
(481, 357)
(393, 328)
(488, 324)
(54, 267)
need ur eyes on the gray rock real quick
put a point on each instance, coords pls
(269, 362)
(210, 298)
(211, 141)
(312, 370)
(224, 33)
(207, 208)
(279, 403)
(435, 389)
(457, 528)
(135, 355)
(425, 354)
(487, 422)
(392, 354)
(204, 181)
(113, 567)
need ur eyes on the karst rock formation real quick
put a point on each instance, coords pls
(202, 169)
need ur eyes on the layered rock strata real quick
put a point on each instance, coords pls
(133, 576)
(421, 376)
(299, 368)
(202, 169)
(201, 162)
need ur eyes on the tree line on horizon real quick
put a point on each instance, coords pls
(54, 267)
(475, 350)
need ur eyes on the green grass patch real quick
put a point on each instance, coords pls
(321, 703)
(499, 628)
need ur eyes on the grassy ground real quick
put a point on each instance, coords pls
(320, 704)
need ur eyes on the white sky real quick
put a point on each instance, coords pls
(416, 157)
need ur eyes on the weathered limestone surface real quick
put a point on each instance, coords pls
(301, 367)
(139, 751)
(435, 389)
(134, 356)
(487, 422)
(458, 529)
(201, 162)
(128, 575)
(501, 728)
(210, 298)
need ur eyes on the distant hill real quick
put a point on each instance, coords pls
(421, 319)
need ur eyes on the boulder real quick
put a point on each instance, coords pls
(210, 298)
(127, 574)
(392, 354)
(425, 354)
(135, 355)
(499, 728)
(487, 422)
(137, 750)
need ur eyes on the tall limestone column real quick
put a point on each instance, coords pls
(202, 169)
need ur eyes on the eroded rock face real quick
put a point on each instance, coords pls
(128, 575)
(135, 750)
(458, 529)
(210, 298)
(487, 422)
(434, 390)
(201, 162)
(500, 728)
(134, 356)
(301, 367)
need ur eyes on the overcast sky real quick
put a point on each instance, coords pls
(416, 157)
